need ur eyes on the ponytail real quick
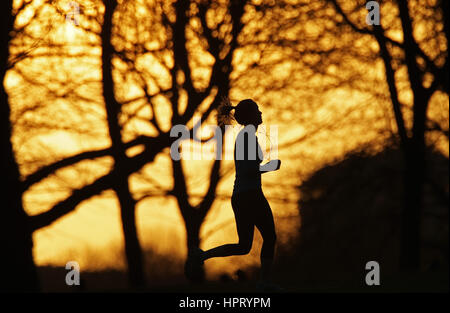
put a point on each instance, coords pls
(224, 115)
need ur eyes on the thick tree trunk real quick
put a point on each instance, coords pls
(415, 167)
(193, 224)
(413, 147)
(133, 250)
(410, 234)
(414, 182)
(16, 261)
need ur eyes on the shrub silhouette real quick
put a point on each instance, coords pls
(350, 214)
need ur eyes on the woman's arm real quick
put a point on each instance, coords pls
(270, 166)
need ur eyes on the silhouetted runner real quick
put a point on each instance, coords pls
(249, 204)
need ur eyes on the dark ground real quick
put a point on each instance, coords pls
(53, 280)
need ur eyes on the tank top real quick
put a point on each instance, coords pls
(247, 158)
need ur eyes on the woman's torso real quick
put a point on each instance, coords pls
(247, 158)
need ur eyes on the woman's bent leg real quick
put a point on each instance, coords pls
(245, 228)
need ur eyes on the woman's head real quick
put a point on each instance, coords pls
(246, 112)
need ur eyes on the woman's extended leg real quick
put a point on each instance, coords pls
(242, 208)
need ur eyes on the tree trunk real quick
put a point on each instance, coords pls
(18, 268)
(193, 224)
(415, 167)
(410, 235)
(133, 250)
